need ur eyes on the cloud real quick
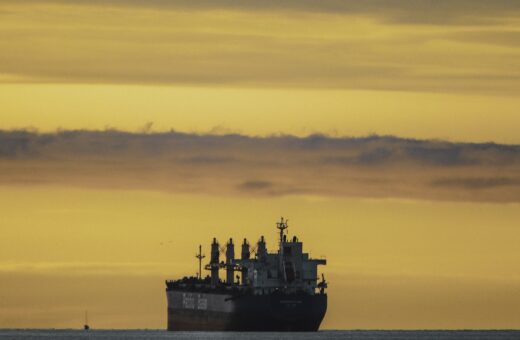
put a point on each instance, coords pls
(507, 38)
(233, 164)
(443, 46)
(477, 183)
(460, 12)
(255, 185)
(84, 268)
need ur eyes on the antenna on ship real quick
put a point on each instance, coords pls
(200, 256)
(282, 225)
(86, 326)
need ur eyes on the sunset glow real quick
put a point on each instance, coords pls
(386, 131)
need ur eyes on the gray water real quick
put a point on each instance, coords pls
(349, 335)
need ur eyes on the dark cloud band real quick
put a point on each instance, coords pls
(374, 166)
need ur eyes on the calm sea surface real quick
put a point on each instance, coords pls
(156, 334)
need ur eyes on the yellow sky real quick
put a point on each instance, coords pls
(90, 228)
(394, 263)
(461, 117)
(349, 71)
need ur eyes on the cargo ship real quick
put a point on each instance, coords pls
(262, 291)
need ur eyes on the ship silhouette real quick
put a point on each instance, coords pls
(276, 291)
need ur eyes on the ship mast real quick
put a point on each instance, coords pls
(282, 225)
(200, 256)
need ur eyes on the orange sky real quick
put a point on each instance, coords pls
(416, 234)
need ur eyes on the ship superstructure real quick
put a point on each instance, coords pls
(266, 292)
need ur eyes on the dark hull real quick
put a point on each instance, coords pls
(189, 311)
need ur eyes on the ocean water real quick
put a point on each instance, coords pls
(349, 335)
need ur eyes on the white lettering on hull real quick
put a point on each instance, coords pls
(202, 303)
(192, 301)
(188, 301)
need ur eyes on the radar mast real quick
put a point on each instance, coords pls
(282, 225)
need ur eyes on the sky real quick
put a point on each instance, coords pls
(386, 131)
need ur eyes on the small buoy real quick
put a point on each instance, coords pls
(86, 326)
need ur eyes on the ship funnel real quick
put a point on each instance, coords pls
(230, 258)
(214, 263)
(245, 250)
(262, 249)
(246, 254)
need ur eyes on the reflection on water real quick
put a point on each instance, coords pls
(354, 335)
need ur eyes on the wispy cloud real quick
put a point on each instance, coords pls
(374, 166)
(460, 12)
(86, 268)
(441, 46)
(477, 183)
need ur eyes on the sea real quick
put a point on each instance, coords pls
(25, 334)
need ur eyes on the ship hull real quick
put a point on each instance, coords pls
(192, 311)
